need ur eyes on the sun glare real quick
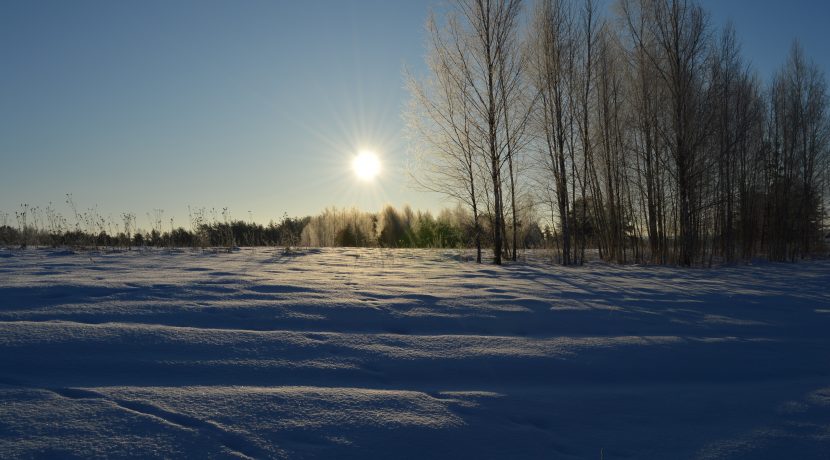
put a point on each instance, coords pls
(366, 165)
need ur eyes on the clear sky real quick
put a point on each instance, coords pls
(255, 105)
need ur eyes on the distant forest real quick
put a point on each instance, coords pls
(211, 228)
(641, 132)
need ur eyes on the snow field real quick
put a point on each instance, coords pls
(368, 353)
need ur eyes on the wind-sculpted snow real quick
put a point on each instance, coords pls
(350, 353)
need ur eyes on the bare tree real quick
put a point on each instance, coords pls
(475, 62)
(552, 44)
(517, 101)
(439, 119)
(678, 29)
(799, 133)
(588, 30)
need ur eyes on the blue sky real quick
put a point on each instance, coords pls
(255, 106)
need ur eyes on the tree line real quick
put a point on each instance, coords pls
(392, 228)
(46, 227)
(389, 228)
(642, 133)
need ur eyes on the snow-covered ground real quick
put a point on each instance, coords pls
(347, 353)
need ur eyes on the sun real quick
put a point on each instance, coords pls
(366, 165)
